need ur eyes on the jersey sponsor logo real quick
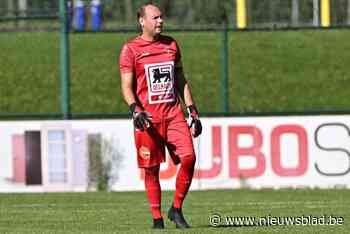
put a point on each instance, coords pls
(145, 153)
(160, 82)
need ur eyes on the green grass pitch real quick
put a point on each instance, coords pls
(128, 212)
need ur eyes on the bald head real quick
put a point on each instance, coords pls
(142, 10)
(150, 20)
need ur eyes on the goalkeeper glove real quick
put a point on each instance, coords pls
(141, 118)
(195, 124)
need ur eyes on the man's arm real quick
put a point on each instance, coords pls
(183, 87)
(141, 119)
(186, 95)
(127, 88)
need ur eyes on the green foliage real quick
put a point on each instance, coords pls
(97, 179)
(104, 162)
(274, 11)
(340, 12)
(269, 71)
(194, 13)
(289, 71)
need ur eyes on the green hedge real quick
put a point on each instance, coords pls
(269, 71)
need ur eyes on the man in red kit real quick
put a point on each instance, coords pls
(152, 83)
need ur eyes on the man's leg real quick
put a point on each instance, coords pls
(153, 191)
(184, 179)
(183, 183)
(180, 146)
(150, 153)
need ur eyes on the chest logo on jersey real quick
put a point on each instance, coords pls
(160, 81)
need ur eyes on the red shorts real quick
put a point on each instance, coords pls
(174, 134)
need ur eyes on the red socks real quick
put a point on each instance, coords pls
(183, 183)
(184, 179)
(153, 191)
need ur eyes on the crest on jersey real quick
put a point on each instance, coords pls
(160, 81)
(145, 152)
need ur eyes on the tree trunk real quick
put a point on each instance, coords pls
(295, 12)
(10, 8)
(128, 11)
(348, 13)
(196, 12)
(22, 7)
(165, 7)
(316, 13)
(273, 11)
(234, 13)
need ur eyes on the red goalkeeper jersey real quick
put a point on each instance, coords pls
(153, 65)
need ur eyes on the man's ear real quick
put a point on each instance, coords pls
(141, 21)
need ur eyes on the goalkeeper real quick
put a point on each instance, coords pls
(153, 82)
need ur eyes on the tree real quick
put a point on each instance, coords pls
(22, 7)
(316, 12)
(164, 7)
(348, 13)
(128, 10)
(295, 12)
(10, 7)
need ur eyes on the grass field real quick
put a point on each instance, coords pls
(127, 212)
(269, 71)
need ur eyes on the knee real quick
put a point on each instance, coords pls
(189, 160)
(152, 173)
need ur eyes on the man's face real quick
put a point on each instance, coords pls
(152, 22)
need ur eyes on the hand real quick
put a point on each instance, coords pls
(195, 123)
(141, 119)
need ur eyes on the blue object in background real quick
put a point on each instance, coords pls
(79, 17)
(96, 15)
(69, 15)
